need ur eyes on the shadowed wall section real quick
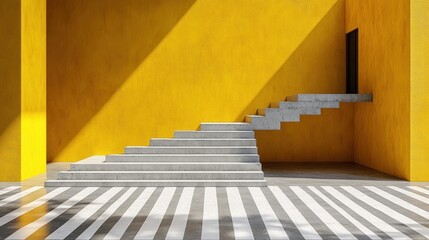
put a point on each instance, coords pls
(23, 90)
(382, 129)
(119, 74)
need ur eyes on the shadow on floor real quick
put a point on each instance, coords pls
(327, 171)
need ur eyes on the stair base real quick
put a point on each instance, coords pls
(156, 183)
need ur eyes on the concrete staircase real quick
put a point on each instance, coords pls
(218, 154)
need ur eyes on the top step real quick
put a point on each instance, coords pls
(331, 98)
(226, 126)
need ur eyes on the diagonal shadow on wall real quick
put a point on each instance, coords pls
(106, 40)
(317, 65)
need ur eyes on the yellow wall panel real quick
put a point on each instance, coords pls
(10, 97)
(382, 129)
(33, 87)
(23, 90)
(120, 74)
(419, 90)
(326, 138)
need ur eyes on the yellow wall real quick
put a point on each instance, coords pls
(419, 90)
(382, 128)
(23, 90)
(119, 74)
(10, 98)
(33, 87)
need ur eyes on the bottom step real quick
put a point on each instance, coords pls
(157, 183)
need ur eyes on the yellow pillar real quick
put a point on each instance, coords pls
(419, 81)
(23, 91)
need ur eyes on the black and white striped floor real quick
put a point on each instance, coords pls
(288, 212)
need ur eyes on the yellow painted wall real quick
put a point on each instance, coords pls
(419, 90)
(33, 87)
(23, 90)
(119, 74)
(382, 128)
(10, 98)
(325, 138)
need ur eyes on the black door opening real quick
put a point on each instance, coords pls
(352, 62)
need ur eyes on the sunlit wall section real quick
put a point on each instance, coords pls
(419, 90)
(23, 89)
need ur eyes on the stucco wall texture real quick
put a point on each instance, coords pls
(23, 89)
(120, 74)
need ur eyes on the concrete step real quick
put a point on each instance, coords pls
(297, 105)
(182, 158)
(167, 166)
(191, 150)
(331, 98)
(202, 142)
(284, 115)
(157, 183)
(214, 134)
(161, 175)
(226, 126)
(262, 123)
(286, 112)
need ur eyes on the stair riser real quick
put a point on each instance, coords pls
(203, 142)
(212, 134)
(288, 116)
(299, 105)
(289, 111)
(225, 127)
(161, 176)
(158, 183)
(331, 98)
(166, 167)
(190, 150)
(176, 158)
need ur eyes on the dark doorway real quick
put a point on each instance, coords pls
(352, 61)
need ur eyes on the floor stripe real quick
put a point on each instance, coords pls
(153, 220)
(374, 220)
(274, 227)
(355, 222)
(34, 226)
(121, 226)
(8, 189)
(388, 211)
(411, 194)
(295, 215)
(419, 189)
(242, 229)
(74, 222)
(19, 195)
(92, 229)
(178, 225)
(400, 202)
(30, 206)
(210, 229)
(326, 218)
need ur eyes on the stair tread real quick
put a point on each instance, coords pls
(331, 97)
(129, 172)
(226, 123)
(169, 163)
(170, 180)
(183, 155)
(212, 131)
(191, 146)
(203, 139)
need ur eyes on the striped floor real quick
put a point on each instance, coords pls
(290, 212)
